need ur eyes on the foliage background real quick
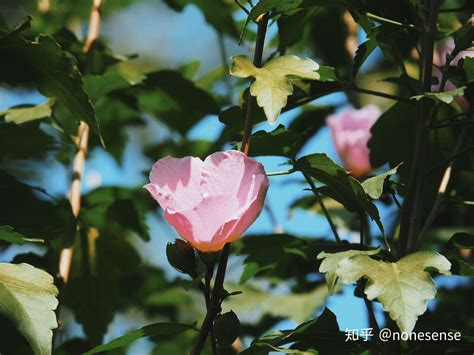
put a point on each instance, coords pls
(127, 282)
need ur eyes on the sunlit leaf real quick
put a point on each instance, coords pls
(331, 262)
(446, 96)
(403, 287)
(374, 185)
(19, 115)
(272, 84)
(28, 299)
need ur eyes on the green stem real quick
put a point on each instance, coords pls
(411, 211)
(392, 22)
(215, 301)
(284, 172)
(323, 207)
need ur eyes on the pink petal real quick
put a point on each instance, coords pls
(213, 202)
(229, 172)
(199, 225)
(350, 130)
(174, 183)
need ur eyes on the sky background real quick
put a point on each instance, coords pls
(179, 38)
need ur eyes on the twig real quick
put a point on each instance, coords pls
(277, 229)
(441, 191)
(345, 88)
(284, 172)
(214, 304)
(225, 65)
(82, 141)
(411, 211)
(323, 207)
(392, 22)
(244, 9)
(75, 199)
(94, 25)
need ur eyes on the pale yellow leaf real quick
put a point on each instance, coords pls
(273, 82)
(331, 262)
(403, 288)
(28, 299)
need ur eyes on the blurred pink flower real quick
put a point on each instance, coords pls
(439, 59)
(210, 202)
(350, 132)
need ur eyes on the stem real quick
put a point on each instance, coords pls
(225, 66)
(214, 304)
(441, 190)
(75, 199)
(411, 211)
(82, 141)
(380, 94)
(284, 172)
(386, 20)
(362, 222)
(323, 207)
(348, 88)
(207, 297)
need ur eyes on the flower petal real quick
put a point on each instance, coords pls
(229, 172)
(174, 183)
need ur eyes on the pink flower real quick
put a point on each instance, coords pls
(439, 59)
(350, 132)
(210, 202)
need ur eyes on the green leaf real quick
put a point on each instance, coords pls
(374, 186)
(98, 86)
(9, 235)
(23, 142)
(462, 268)
(182, 257)
(218, 14)
(363, 52)
(255, 302)
(226, 328)
(175, 100)
(117, 210)
(279, 142)
(446, 96)
(22, 115)
(289, 7)
(30, 211)
(331, 262)
(28, 299)
(462, 39)
(403, 287)
(340, 185)
(164, 329)
(272, 84)
(461, 240)
(395, 125)
(54, 71)
(321, 334)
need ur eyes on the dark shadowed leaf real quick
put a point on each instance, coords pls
(175, 100)
(53, 71)
(9, 235)
(341, 186)
(157, 329)
(226, 328)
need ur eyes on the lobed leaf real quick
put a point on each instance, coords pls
(272, 84)
(28, 299)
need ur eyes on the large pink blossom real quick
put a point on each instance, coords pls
(210, 202)
(350, 132)
(439, 59)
